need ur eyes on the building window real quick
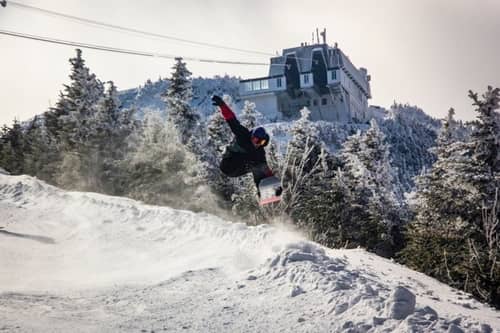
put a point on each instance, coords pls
(333, 75)
(306, 78)
(248, 86)
(278, 82)
(324, 101)
(308, 103)
(315, 102)
(255, 85)
(264, 84)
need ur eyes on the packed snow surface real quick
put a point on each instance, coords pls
(84, 262)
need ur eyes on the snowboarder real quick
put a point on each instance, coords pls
(246, 152)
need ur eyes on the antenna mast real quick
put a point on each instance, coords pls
(323, 34)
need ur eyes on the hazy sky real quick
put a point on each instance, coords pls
(427, 53)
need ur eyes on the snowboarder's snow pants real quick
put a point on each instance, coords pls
(235, 165)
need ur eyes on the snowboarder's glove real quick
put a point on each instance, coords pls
(278, 190)
(217, 101)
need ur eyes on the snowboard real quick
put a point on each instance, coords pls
(267, 189)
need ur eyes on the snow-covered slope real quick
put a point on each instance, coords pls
(84, 262)
(148, 97)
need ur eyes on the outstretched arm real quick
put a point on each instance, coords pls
(228, 115)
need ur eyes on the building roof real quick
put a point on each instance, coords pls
(334, 57)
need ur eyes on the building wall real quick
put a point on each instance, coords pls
(329, 107)
(345, 99)
(333, 112)
(267, 104)
(358, 104)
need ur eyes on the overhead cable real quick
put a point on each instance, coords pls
(136, 31)
(124, 51)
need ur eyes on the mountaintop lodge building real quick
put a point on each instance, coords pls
(317, 76)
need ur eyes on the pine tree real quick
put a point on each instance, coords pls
(178, 98)
(379, 177)
(483, 266)
(486, 147)
(369, 179)
(125, 138)
(301, 160)
(250, 117)
(436, 238)
(160, 171)
(12, 143)
(72, 124)
(76, 105)
(39, 151)
(105, 146)
(305, 137)
(244, 201)
(449, 238)
(322, 209)
(410, 134)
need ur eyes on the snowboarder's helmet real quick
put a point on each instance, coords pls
(260, 136)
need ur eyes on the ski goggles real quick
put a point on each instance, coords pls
(259, 141)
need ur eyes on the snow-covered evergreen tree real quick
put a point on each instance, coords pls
(351, 149)
(76, 105)
(71, 124)
(305, 139)
(112, 126)
(369, 178)
(379, 176)
(322, 207)
(438, 233)
(40, 151)
(410, 134)
(484, 141)
(218, 137)
(452, 237)
(178, 97)
(160, 170)
(483, 264)
(250, 117)
(300, 161)
(12, 145)
(245, 202)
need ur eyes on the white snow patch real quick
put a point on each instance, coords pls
(91, 262)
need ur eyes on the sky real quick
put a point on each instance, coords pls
(427, 53)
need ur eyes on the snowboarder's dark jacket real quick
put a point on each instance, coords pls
(241, 156)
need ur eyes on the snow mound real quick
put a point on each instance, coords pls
(304, 269)
(90, 260)
(112, 235)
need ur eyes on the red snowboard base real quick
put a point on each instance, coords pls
(267, 188)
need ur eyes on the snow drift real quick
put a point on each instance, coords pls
(89, 262)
